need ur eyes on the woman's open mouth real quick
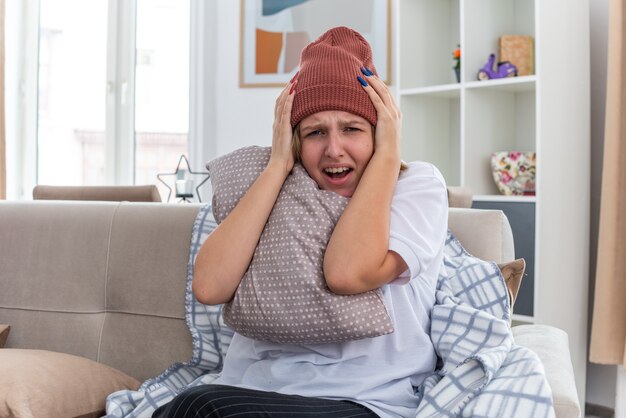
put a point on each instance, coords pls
(337, 173)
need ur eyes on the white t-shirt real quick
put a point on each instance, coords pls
(379, 372)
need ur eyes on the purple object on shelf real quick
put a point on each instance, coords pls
(505, 69)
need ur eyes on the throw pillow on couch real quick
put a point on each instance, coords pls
(40, 383)
(513, 272)
(4, 334)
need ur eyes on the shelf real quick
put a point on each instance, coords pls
(509, 84)
(522, 319)
(503, 198)
(453, 90)
(458, 127)
(443, 90)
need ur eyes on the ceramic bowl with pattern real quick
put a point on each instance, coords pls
(514, 172)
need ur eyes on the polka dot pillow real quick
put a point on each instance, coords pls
(283, 296)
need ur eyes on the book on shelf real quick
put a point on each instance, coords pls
(518, 50)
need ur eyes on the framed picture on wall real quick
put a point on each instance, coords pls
(273, 33)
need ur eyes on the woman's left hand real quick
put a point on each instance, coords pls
(357, 258)
(389, 117)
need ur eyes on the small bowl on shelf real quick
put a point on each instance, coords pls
(514, 172)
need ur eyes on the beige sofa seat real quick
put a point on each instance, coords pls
(106, 281)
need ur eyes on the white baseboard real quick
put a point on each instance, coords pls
(620, 393)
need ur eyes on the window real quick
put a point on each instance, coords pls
(161, 87)
(71, 92)
(113, 90)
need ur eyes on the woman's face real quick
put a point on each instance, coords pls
(336, 147)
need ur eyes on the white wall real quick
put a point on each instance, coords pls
(600, 378)
(244, 115)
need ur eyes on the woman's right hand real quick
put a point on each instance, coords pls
(226, 254)
(282, 156)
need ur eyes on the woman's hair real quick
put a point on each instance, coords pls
(296, 146)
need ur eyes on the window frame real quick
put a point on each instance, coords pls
(119, 161)
(120, 145)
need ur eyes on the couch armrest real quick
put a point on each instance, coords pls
(552, 347)
(484, 233)
(459, 197)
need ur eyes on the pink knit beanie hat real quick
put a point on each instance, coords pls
(327, 80)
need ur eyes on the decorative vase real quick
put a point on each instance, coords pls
(514, 172)
(457, 72)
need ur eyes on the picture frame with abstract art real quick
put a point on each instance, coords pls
(273, 33)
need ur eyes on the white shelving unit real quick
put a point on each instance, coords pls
(457, 125)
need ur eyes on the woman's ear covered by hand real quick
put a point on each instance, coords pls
(389, 117)
(281, 155)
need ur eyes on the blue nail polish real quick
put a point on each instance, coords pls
(364, 71)
(369, 72)
(363, 82)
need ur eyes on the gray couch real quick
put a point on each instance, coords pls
(104, 282)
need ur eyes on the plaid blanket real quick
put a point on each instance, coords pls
(482, 373)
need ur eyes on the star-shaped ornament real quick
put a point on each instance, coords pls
(184, 181)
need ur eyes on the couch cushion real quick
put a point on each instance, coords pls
(67, 332)
(148, 255)
(38, 383)
(156, 343)
(98, 280)
(145, 290)
(43, 269)
(53, 272)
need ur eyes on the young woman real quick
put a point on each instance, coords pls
(340, 121)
